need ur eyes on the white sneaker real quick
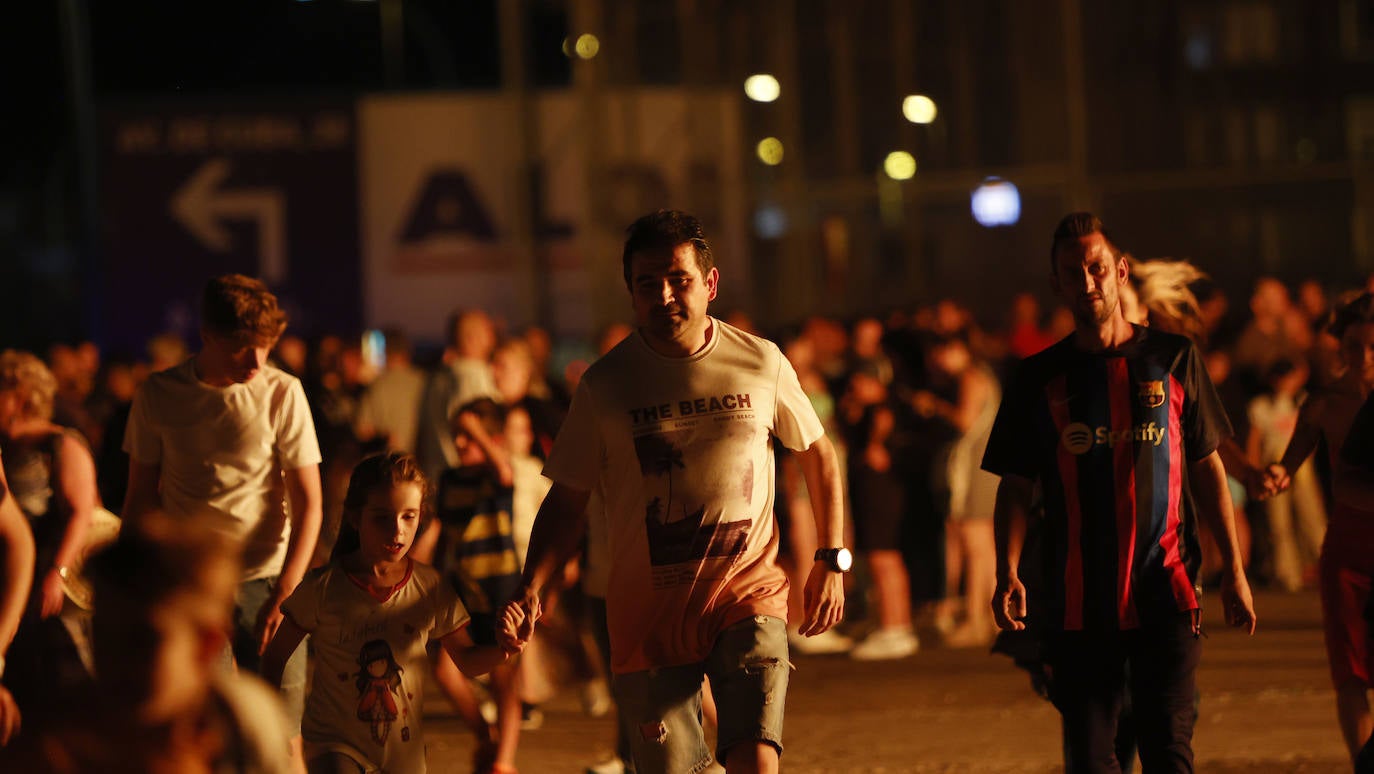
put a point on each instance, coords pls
(596, 698)
(611, 765)
(885, 644)
(826, 643)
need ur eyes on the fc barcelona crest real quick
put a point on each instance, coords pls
(1151, 394)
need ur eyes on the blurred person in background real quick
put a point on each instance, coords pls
(543, 385)
(162, 702)
(1295, 519)
(333, 389)
(1269, 335)
(292, 355)
(877, 497)
(513, 370)
(166, 350)
(1025, 337)
(465, 375)
(52, 477)
(1347, 557)
(73, 386)
(970, 555)
(389, 410)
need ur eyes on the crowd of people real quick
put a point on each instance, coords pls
(416, 516)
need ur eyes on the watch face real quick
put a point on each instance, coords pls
(844, 559)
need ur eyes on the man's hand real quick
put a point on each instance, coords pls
(824, 600)
(53, 597)
(9, 716)
(1236, 599)
(516, 626)
(1009, 605)
(269, 620)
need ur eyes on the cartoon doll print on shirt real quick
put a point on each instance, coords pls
(379, 676)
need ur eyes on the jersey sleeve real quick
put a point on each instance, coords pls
(142, 442)
(1009, 450)
(575, 460)
(297, 445)
(794, 417)
(1205, 424)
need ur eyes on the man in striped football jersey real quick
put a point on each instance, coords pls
(1119, 425)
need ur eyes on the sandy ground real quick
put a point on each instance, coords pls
(1266, 706)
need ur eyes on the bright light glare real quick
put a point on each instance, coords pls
(996, 203)
(900, 165)
(586, 46)
(770, 151)
(762, 87)
(918, 109)
(770, 222)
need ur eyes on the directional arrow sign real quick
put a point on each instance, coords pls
(201, 206)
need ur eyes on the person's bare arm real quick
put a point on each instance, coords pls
(1207, 479)
(307, 514)
(1306, 436)
(77, 497)
(824, 598)
(471, 659)
(17, 542)
(1239, 466)
(142, 496)
(1010, 516)
(279, 650)
(558, 529)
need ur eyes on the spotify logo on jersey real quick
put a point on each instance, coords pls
(1077, 438)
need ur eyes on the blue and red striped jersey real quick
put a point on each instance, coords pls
(1109, 437)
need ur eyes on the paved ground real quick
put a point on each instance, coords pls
(1266, 707)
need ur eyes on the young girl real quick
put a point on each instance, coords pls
(372, 610)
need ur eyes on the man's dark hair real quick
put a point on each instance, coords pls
(235, 306)
(662, 231)
(1075, 226)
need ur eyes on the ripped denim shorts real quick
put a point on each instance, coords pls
(748, 671)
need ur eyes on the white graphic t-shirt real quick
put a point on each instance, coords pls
(369, 666)
(683, 448)
(221, 451)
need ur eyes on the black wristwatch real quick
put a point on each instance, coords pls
(839, 559)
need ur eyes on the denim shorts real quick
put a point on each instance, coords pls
(661, 708)
(252, 595)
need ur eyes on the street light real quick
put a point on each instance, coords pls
(585, 47)
(918, 109)
(762, 87)
(996, 203)
(900, 165)
(769, 151)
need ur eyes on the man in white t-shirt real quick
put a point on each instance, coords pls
(227, 438)
(676, 425)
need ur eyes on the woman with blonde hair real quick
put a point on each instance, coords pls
(52, 475)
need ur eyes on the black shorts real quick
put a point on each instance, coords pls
(877, 501)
